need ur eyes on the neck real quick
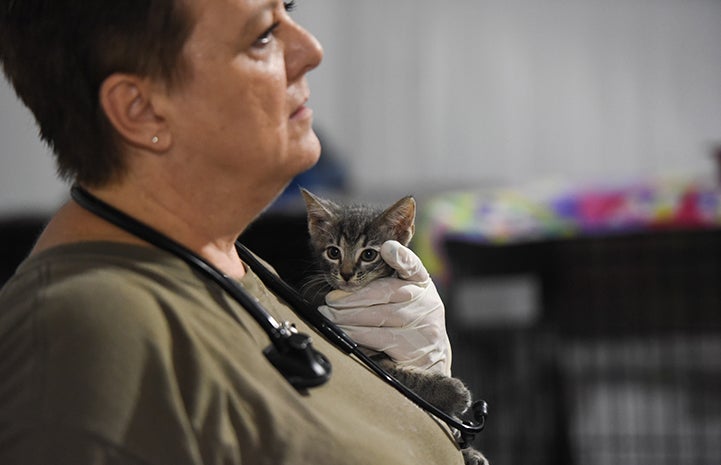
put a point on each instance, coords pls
(207, 223)
(198, 222)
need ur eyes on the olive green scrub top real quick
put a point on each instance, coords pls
(121, 354)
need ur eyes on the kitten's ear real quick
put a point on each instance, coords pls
(400, 219)
(320, 211)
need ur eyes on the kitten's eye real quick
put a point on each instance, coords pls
(333, 252)
(368, 255)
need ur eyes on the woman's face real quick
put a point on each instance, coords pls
(241, 110)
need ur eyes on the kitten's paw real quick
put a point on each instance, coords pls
(446, 393)
(453, 396)
(473, 457)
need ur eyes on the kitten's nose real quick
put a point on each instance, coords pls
(346, 275)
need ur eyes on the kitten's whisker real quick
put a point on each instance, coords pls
(314, 288)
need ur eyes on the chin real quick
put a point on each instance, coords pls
(307, 150)
(313, 153)
(301, 166)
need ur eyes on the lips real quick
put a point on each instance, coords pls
(300, 111)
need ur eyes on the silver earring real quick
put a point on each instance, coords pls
(155, 139)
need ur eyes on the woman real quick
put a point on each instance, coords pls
(190, 117)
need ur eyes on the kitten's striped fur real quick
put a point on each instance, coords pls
(346, 242)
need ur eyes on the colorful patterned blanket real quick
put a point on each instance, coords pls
(555, 210)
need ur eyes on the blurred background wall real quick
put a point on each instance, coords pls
(27, 171)
(421, 95)
(428, 94)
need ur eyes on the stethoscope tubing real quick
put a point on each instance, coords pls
(338, 337)
(276, 331)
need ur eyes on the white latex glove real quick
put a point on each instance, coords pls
(401, 316)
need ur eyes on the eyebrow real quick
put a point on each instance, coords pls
(258, 14)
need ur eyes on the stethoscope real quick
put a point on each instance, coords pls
(290, 352)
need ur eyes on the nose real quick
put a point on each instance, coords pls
(303, 52)
(346, 275)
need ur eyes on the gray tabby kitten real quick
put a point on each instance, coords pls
(346, 242)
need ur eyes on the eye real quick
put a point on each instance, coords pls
(266, 37)
(290, 6)
(368, 255)
(333, 252)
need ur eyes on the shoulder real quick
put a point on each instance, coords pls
(73, 312)
(85, 346)
(95, 302)
(70, 315)
(71, 292)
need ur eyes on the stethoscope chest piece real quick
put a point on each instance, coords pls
(293, 355)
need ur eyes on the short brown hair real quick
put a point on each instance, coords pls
(57, 53)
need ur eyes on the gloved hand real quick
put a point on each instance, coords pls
(401, 316)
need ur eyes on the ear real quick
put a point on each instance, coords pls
(320, 211)
(127, 102)
(400, 219)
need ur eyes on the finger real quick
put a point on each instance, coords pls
(337, 297)
(411, 348)
(388, 316)
(404, 261)
(380, 291)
